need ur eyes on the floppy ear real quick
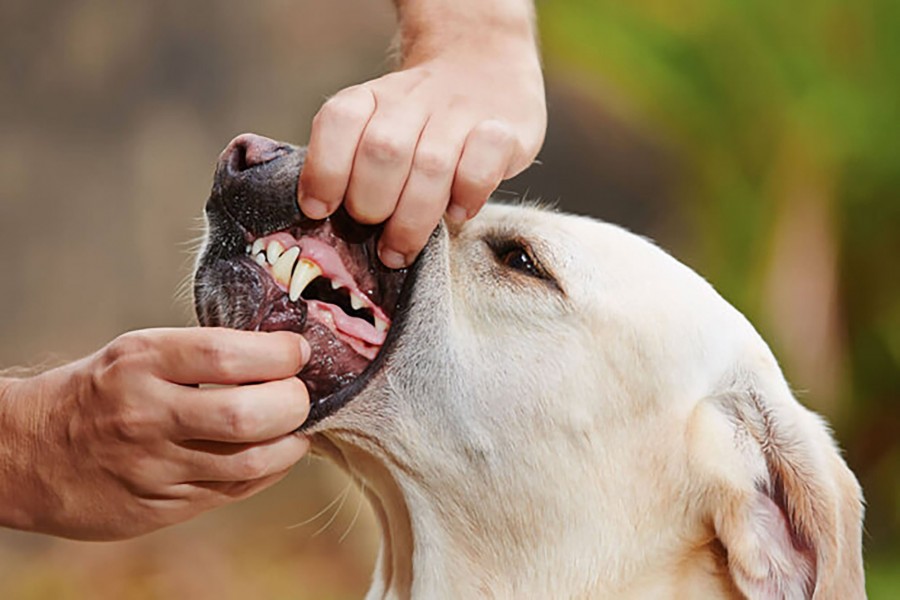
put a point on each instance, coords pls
(780, 498)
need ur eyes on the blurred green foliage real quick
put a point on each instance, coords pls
(762, 101)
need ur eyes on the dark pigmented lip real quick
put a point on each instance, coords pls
(271, 299)
(254, 197)
(331, 403)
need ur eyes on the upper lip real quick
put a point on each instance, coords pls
(253, 197)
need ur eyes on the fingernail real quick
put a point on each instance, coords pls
(456, 213)
(392, 259)
(305, 350)
(313, 208)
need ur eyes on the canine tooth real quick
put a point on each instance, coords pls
(305, 272)
(248, 248)
(334, 284)
(380, 325)
(283, 267)
(260, 259)
(356, 302)
(257, 247)
(274, 250)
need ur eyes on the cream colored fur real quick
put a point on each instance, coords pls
(627, 435)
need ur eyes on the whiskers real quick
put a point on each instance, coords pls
(193, 250)
(334, 508)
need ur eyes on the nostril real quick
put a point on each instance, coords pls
(250, 150)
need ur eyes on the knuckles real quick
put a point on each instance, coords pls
(381, 145)
(351, 106)
(126, 350)
(244, 420)
(432, 162)
(250, 464)
(482, 180)
(241, 422)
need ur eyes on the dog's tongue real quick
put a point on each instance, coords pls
(352, 326)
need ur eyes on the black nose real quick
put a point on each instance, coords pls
(249, 150)
(255, 184)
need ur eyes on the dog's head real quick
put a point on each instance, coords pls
(556, 403)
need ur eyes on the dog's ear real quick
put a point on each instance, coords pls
(778, 495)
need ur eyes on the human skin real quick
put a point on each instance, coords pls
(125, 441)
(464, 111)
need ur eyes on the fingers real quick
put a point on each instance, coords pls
(452, 165)
(382, 164)
(221, 492)
(426, 194)
(488, 152)
(336, 132)
(210, 462)
(398, 151)
(227, 356)
(249, 413)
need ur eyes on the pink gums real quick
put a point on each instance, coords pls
(363, 337)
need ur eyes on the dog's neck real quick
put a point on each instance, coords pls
(446, 548)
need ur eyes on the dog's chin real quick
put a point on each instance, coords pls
(316, 279)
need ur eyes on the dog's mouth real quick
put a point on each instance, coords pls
(324, 298)
(266, 267)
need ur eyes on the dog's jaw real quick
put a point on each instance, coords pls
(545, 485)
(452, 523)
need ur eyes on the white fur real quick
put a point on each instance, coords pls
(625, 436)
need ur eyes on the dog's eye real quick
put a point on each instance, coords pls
(520, 260)
(517, 256)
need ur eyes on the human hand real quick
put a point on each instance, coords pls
(124, 441)
(465, 111)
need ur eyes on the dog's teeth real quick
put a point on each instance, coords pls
(248, 248)
(281, 270)
(273, 251)
(305, 272)
(380, 324)
(334, 284)
(260, 259)
(356, 302)
(257, 247)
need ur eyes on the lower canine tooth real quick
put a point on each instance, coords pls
(356, 302)
(305, 272)
(260, 259)
(282, 268)
(381, 325)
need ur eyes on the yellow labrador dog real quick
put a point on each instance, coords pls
(543, 406)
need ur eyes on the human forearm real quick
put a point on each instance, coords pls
(22, 423)
(429, 27)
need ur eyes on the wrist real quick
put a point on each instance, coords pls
(15, 499)
(436, 27)
(32, 429)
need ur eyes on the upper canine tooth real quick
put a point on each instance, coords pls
(305, 272)
(260, 258)
(247, 249)
(283, 267)
(334, 284)
(381, 325)
(257, 247)
(356, 302)
(273, 251)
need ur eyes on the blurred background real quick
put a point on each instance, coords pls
(757, 140)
